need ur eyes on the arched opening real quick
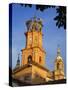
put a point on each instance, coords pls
(57, 65)
(40, 59)
(29, 59)
(60, 66)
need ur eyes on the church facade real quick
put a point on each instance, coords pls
(33, 68)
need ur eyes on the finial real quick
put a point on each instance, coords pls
(34, 18)
(18, 55)
(35, 15)
(58, 51)
(18, 61)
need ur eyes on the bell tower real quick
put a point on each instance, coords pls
(33, 51)
(59, 66)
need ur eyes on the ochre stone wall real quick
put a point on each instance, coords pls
(22, 72)
(59, 75)
(42, 73)
(33, 71)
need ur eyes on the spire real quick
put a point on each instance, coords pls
(18, 56)
(59, 65)
(59, 57)
(18, 61)
(34, 17)
(58, 51)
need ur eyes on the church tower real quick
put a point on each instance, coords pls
(59, 66)
(32, 69)
(33, 51)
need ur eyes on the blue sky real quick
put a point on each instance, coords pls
(52, 35)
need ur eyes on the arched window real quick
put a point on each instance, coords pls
(60, 66)
(40, 59)
(57, 65)
(29, 59)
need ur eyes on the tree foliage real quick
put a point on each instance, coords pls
(60, 18)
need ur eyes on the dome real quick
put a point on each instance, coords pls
(59, 57)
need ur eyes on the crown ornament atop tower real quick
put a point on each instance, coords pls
(34, 24)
